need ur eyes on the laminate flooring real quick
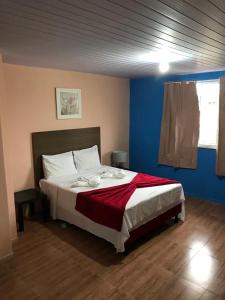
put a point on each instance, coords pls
(182, 261)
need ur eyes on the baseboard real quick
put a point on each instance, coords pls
(6, 256)
(14, 239)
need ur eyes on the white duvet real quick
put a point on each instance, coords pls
(144, 205)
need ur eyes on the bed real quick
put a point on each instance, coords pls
(146, 209)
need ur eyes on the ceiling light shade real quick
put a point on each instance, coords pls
(164, 67)
(157, 56)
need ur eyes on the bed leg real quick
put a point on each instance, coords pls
(176, 219)
(126, 252)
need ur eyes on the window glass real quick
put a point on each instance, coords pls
(208, 95)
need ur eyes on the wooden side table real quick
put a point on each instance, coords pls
(30, 197)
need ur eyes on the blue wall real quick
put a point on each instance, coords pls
(146, 104)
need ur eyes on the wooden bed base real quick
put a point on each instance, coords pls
(145, 229)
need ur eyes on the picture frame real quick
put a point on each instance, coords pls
(68, 103)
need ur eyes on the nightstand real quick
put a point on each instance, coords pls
(30, 197)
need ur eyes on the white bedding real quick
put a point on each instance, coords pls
(144, 205)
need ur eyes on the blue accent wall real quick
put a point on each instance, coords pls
(146, 105)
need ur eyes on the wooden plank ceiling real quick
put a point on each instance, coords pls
(114, 37)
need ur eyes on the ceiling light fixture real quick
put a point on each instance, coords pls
(164, 67)
(158, 56)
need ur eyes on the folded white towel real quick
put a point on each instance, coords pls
(83, 181)
(118, 173)
(106, 174)
(94, 181)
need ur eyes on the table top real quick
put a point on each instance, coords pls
(26, 195)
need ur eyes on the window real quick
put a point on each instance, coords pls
(208, 95)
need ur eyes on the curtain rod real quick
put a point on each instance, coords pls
(208, 80)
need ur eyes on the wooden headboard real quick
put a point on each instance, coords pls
(59, 141)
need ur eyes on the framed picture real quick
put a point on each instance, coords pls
(68, 102)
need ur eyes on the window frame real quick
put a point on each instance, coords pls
(207, 146)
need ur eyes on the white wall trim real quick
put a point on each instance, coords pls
(6, 256)
(14, 239)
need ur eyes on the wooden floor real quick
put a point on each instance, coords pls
(183, 261)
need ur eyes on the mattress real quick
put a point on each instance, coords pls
(144, 205)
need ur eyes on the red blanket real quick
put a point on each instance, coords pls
(106, 206)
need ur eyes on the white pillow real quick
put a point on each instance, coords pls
(58, 165)
(87, 158)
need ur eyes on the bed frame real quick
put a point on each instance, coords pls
(59, 141)
(152, 225)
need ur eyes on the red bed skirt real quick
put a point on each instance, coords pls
(153, 224)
